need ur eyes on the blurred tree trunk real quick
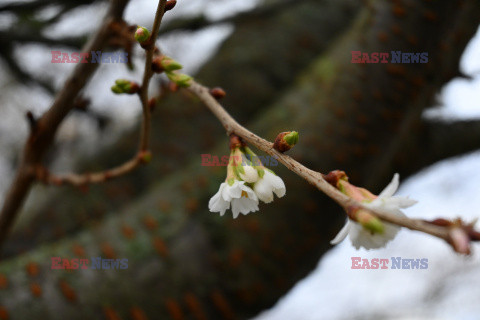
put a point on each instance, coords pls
(187, 263)
(252, 68)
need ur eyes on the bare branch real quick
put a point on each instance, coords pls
(46, 127)
(313, 177)
(147, 75)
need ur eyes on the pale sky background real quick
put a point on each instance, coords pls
(448, 290)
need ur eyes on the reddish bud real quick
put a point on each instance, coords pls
(152, 104)
(170, 5)
(285, 141)
(145, 157)
(334, 176)
(157, 65)
(236, 142)
(440, 222)
(173, 87)
(218, 93)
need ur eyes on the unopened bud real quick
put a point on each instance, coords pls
(125, 86)
(172, 87)
(157, 65)
(145, 156)
(170, 5)
(182, 80)
(142, 34)
(169, 64)
(368, 220)
(333, 177)
(236, 142)
(152, 104)
(285, 141)
(218, 93)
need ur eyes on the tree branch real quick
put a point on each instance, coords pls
(42, 137)
(143, 155)
(147, 75)
(315, 178)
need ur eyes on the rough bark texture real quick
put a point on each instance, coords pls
(187, 263)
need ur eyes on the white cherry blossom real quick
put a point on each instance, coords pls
(385, 202)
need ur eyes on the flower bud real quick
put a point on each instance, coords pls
(142, 34)
(182, 80)
(170, 4)
(152, 103)
(157, 65)
(145, 156)
(125, 86)
(168, 64)
(247, 173)
(285, 141)
(218, 93)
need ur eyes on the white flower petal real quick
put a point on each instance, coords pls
(250, 193)
(240, 197)
(235, 190)
(362, 237)
(235, 208)
(217, 203)
(391, 188)
(263, 191)
(405, 202)
(342, 234)
(278, 185)
(385, 202)
(266, 186)
(250, 175)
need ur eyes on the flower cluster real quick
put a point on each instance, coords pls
(247, 182)
(365, 230)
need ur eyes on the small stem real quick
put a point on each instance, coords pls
(313, 177)
(147, 75)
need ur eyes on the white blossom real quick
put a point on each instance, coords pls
(249, 174)
(267, 185)
(385, 202)
(241, 197)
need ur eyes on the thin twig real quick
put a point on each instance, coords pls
(147, 75)
(102, 176)
(41, 139)
(313, 177)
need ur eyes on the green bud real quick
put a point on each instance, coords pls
(292, 138)
(285, 141)
(169, 64)
(147, 157)
(231, 181)
(116, 89)
(182, 80)
(125, 86)
(142, 34)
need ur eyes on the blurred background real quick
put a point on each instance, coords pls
(285, 65)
